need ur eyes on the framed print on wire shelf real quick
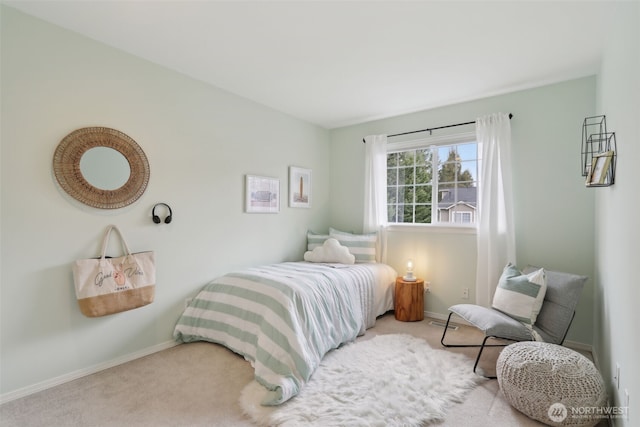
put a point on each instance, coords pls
(599, 169)
(299, 187)
(262, 194)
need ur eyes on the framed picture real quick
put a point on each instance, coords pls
(262, 194)
(599, 168)
(299, 187)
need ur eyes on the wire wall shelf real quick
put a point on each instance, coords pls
(599, 152)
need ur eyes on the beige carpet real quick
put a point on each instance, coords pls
(199, 385)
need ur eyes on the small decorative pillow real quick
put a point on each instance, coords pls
(520, 295)
(314, 240)
(362, 246)
(330, 251)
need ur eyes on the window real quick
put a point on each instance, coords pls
(433, 183)
(464, 217)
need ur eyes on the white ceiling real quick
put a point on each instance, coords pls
(336, 63)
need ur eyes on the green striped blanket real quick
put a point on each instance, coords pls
(284, 318)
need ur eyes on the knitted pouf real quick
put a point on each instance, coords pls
(552, 384)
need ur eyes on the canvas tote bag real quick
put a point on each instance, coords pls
(110, 285)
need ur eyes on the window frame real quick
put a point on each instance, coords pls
(430, 142)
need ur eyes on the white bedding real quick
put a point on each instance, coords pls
(383, 285)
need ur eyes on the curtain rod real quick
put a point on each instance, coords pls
(432, 129)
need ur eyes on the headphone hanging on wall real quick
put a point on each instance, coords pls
(156, 218)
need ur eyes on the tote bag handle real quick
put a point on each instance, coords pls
(105, 242)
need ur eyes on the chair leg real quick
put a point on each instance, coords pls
(482, 346)
(446, 327)
(480, 354)
(467, 345)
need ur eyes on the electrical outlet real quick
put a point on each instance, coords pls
(427, 287)
(465, 293)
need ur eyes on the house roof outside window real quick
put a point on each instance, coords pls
(466, 195)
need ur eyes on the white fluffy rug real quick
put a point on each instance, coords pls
(389, 380)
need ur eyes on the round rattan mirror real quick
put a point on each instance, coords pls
(66, 167)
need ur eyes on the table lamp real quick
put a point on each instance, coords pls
(409, 277)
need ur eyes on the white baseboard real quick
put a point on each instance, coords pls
(578, 346)
(35, 388)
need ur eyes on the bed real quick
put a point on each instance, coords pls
(284, 318)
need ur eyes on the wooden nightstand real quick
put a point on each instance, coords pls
(409, 300)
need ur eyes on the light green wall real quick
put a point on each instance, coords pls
(200, 142)
(617, 292)
(553, 209)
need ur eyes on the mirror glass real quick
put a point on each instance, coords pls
(105, 168)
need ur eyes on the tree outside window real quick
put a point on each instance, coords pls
(411, 184)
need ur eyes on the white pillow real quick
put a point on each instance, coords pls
(362, 246)
(330, 251)
(520, 295)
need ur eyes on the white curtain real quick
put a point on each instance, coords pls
(496, 235)
(375, 190)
